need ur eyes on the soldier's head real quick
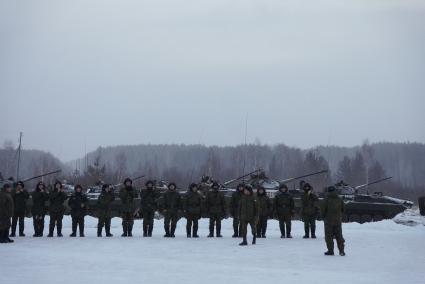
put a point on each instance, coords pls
(193, 187)
(172, 186)
(58, 186)
(78, 188)
(240, 187)
(40, 186)
(307, 188)
(331, 189)
(128, 182)
(261, 190)
(248, 190)
(20, 185)
(149, 184)
(7, 187)
(215, 186)
(106, 187)
(283, 188)
(302, 183)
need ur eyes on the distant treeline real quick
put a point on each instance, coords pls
(187, 163)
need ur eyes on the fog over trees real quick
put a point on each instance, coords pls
(187, 163)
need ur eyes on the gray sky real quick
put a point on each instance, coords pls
(105, 72)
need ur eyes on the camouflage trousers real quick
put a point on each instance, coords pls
(192, 224)
(127, 218)
(244, 227)
(262, 226)
(334, 231)
(21, 218)
(55, 220)
(309, 225)
(285, 223)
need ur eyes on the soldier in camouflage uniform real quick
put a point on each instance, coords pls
(284, 209)
(20, 197)
(127, 195)
(309, 211)
(216, 209)
(56, 209)
(38, 210)
(78, 203)
(6, 213)
(332, 210)
(171, 204)
(248, 213)
(264, 211)
(234, 209)
(192, 209)
(148, 206)
(104, 214)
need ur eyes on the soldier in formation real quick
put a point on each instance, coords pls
(332, 210)
(284, 208)
(309, 211)
(39, 198)
(104, 211)
(127, 195)
(56, 209)
(234, 209)
(20, 197)
(265, 209)
(248, 214)
(216, 210)
(171, 204)
(192, 210)
(148, 205)
(78, 203)
(6, 213)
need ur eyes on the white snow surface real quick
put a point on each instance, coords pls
(381, 252)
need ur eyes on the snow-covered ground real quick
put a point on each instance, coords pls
(382, 252)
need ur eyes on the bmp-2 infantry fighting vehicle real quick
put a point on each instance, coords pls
(365, 207)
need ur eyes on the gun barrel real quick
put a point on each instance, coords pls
(241, 177)
(373, 182)
(303, 176)
(42, 175)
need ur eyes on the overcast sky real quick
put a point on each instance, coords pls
(76, 73)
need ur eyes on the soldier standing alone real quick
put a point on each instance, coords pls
(332, 210)
(104, 202)
(148, 206)
(6, 213)
(309, 211)
(127, 196)
(216, 209)
(248, 212)
(284, 207)
(20, 197)
(234, 209)
(192, 208)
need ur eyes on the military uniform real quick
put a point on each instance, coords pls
(78, 203)
(127, 196)
(192, 208)
(216, 210)
(284, 209)
(264, 211)
(248, 213)
(332, 211)
(234, 206)
(38, 210)
(148, 206)
(6, 213)
(56, 210)
(309, 211)
(171, 204)
(104, 211)
(20, 203)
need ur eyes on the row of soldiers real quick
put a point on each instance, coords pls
(245, 209)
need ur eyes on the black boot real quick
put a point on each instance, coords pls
(211, 235)
(188, 231)
(173, 230)
(244, 242)
(51, 229)
(145, 230)
(254, 238)
(195, 231)
(218, 229)
(2, 239)
(329, 252)
(59, 228)
(99, 231)
(306, 230)
(150, 229)
(167, 232)
(130, 230)
(124, 229)
(108, 230)
(74, 228)
(6, 237)
(21, 227)
(235, 230)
